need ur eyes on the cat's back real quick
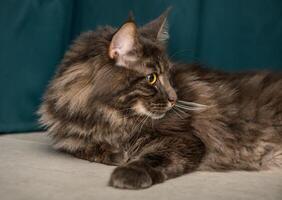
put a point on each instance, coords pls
(259, 96)
(244, 116)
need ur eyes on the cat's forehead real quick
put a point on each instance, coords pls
(149, 66)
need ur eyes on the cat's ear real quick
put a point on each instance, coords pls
(158, 28)
(123, 42)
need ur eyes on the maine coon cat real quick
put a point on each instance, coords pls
(118, 99)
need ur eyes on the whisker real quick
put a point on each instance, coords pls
(177, 113)
(182, 111)
(136, 124)
(190, 108)
(189, 103)
(144, 121)
(139, 124)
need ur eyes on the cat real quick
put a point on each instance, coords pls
(118, 99)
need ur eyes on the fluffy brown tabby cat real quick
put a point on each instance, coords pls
(118, 99)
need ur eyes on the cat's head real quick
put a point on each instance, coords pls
(142, 52)
(126, 68)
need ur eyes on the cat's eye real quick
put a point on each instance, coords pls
(151, 78)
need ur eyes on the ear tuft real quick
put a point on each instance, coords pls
(163, 34)
(131, 17)
(158, 28)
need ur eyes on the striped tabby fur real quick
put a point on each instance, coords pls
(100, 107)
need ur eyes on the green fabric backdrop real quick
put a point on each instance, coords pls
(226, 34)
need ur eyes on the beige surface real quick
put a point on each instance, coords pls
(30, 169)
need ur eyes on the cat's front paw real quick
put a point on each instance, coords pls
(126, 177)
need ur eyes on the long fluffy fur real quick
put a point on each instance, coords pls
(87, 111)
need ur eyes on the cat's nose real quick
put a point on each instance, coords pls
(172, 100)
(171, 97)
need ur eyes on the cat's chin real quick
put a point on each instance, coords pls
(141, 109)
(154, 116)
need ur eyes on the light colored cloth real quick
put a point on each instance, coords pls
(31, 170)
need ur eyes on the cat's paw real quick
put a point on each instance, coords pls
(130, 178)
